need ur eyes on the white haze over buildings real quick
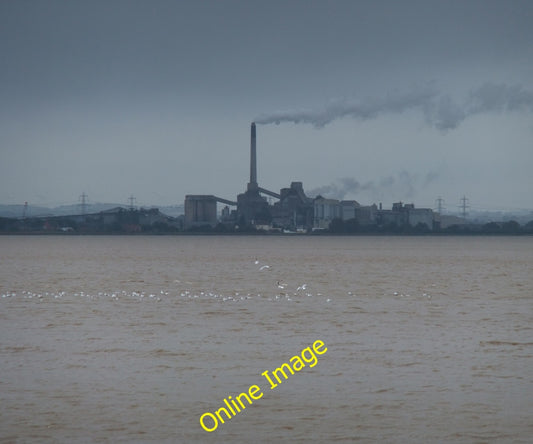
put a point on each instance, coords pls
(376, 101)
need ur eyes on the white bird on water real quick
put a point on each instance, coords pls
(264, 267)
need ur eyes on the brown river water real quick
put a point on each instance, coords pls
(133, 339)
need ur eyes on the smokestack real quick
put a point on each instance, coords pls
(253, 162)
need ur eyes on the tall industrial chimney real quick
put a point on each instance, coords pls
(253, 161)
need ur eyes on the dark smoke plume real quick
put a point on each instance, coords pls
(400, 186)
(439, 110)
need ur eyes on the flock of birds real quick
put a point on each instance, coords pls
(280, 295)
(281, 292)
(164, 294)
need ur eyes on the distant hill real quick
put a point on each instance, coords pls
(17, 211)
(172, 210)
(485, 216)
(520, 216)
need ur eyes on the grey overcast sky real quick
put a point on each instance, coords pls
(378, 101)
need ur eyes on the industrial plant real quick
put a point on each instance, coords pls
(293, 210)
(258, 209)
